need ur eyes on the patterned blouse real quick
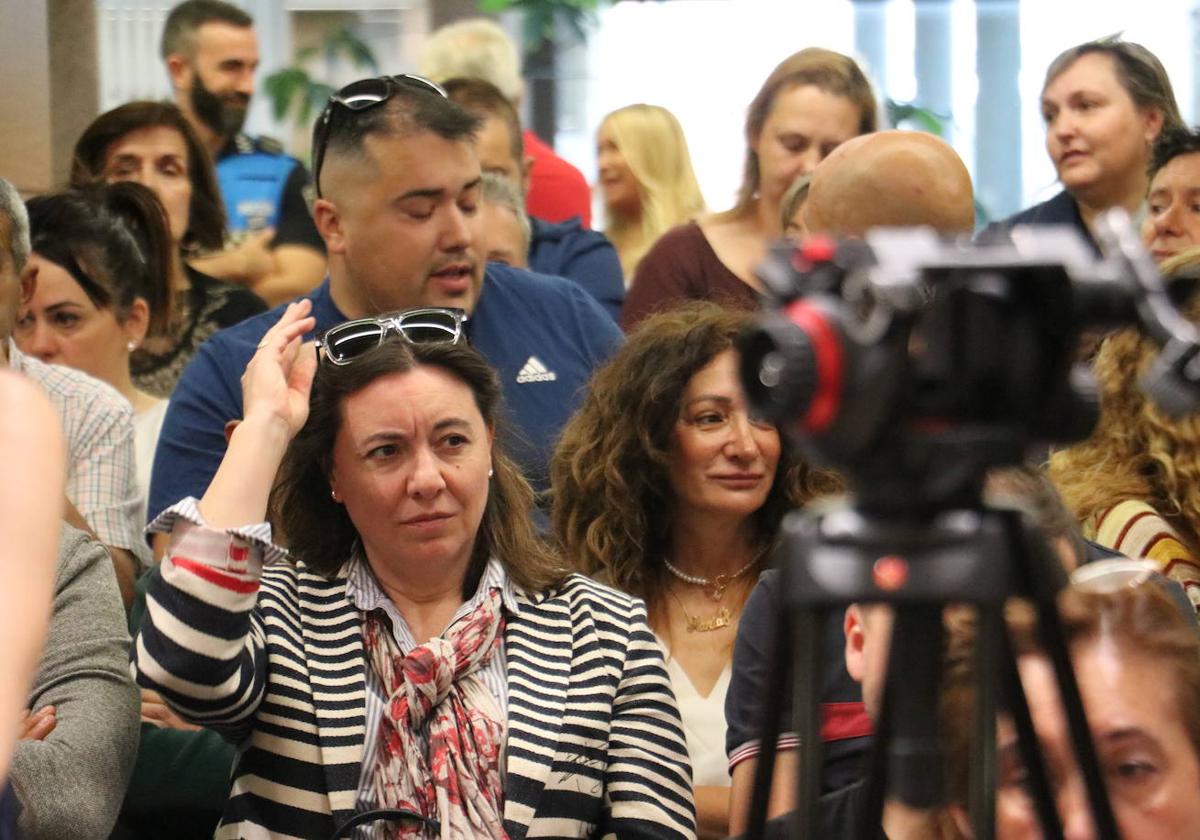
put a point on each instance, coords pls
(209, 305)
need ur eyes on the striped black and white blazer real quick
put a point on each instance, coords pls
(273, 658)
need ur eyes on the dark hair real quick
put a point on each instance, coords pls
(206, 217)
(481, 97)
(613, 502)
(1138, 70)
(319, 531)
(826, 70)
(1170, 144)
(113, 241)
(180, 29)
(411, 109)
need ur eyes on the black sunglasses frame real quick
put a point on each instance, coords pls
(361, 96)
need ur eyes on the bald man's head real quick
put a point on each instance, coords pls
(890, 179)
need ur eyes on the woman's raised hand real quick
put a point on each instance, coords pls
(275, 389)
(278, 379)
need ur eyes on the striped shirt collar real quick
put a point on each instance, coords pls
(365, 593)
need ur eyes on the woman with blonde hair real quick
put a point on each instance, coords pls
(812, 102)
(646, 179)
(1135, 483)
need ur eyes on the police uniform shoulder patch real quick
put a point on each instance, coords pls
(269, 145)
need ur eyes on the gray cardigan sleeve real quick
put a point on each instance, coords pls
(71, 784)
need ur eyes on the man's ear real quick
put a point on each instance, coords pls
(328, 219)
(28, 283)
(527, 174)
(852, 628)
(179, 69)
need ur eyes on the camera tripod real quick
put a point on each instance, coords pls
(918, 564)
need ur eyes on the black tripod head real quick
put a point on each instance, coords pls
(913, 363)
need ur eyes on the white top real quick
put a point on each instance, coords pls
(146, 426)
(703, 722)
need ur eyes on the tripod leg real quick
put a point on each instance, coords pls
(914, 679)
(1081, 734)
(807, 680)
(877, 780)
(1027, 743)
(982, 778)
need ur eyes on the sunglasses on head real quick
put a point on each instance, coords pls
(433, 325)
(360, 96)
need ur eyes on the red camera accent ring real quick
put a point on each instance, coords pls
(827, 351)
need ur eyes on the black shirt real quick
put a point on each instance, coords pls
(846, 724)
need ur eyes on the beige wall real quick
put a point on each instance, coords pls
(50, 88)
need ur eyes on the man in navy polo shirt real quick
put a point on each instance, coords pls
(399, 189)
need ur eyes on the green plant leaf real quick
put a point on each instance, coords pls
(494, 6)
(283, 86)
(923, 118)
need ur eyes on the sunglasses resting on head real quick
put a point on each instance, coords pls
(359, 96)
(346, 342)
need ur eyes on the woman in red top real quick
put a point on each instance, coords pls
(813, 101)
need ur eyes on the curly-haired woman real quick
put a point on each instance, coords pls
(665, 486)
(1135, 483)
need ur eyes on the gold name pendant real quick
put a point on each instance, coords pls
(721, 619)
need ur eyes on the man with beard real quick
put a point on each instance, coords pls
(211, 52)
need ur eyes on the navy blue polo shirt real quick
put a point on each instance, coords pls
(543, 335)
(586, 257)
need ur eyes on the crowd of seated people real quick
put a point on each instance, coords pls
(472, 534)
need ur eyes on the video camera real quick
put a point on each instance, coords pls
(907, 359)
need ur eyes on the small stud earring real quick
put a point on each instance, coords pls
(490, 472)
(132, 345)
(333, 495)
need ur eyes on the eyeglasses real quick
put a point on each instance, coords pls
(360, 96)
(346, 342)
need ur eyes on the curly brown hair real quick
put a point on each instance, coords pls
(1136, 451)
(612, 498)
(318, 530)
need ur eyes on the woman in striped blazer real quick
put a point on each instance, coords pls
(420, 650)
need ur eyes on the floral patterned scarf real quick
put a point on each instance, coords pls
(457, 782)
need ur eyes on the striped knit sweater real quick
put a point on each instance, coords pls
(273, 659)
(1137, 530)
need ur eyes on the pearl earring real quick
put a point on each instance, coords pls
(333, 495)
(132, 345)
(490, 473)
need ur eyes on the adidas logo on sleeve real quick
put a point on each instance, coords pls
(535, 371)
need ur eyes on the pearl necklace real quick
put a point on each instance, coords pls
(716, 586)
